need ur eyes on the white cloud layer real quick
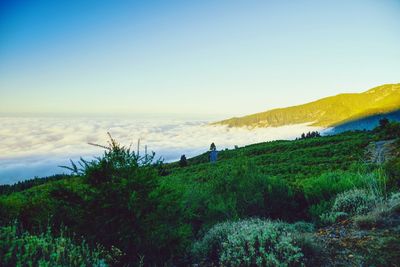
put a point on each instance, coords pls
(36, 146)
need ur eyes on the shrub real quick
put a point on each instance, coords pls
(119, 208)
(351, 203)
(332, 217)
(394, 202)
(328, 185)
(368, 220)
(209, 248)
(318, 210)
(392, 170)
(380, 214)
(303, 227)
(311, 249)
(388, 130)
(24, 249)
(252, 242)
(355, 202)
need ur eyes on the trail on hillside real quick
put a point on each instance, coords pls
(380, 151)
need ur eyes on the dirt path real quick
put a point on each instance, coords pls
(380, 151)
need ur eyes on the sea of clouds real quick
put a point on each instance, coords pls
(32, 147)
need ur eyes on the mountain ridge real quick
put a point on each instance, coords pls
(325, 112)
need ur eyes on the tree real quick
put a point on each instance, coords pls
(213, 147)
(383, 122)
(183, 161)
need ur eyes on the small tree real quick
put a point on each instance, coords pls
(183, 161)
(213, 147)
(383, 123)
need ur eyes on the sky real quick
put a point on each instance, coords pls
(204, 57)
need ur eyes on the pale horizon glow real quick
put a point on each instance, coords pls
(191, 57)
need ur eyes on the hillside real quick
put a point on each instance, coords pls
(134, 212)
(365, 123)
(326, 112)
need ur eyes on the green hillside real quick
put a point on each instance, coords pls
(328, 111)
(120, 210)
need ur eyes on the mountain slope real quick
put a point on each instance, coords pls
(328, 111)
(364, 123)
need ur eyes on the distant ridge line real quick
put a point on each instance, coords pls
(326, 112)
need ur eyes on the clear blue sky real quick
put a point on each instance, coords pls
(191, 57)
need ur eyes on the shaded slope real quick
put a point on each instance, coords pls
(328, 111)
(366, 123)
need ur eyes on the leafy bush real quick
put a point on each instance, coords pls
(252, 242)
(303, 227)
(392, 170)
(371, 219)
(209, 248)
(380, 214)
(351, 203)
(394, 202)
(388, 130)
(328, 185)
(332, 217)
(355, 202)
(337, 187)
(319, 210)
(24, 249)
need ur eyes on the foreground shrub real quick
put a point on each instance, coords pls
(371, 219)
(119, 211)
(394, 202)
(355, 202)
(332, 217)
(252, 242)
(326, 186)
(380, 214)
(351, 203)
(392, 170)
(23, 249)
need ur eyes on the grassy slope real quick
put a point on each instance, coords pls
(289, 159)
(179, 212)
(327, 111)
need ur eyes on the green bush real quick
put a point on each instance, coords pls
(303, 227)
(351, 203)
(328, 185)
(332, 217)
(252, 242)
(356, 202)
(380, 214)
(394, 202)
(209, 248)
(371, 219)
(389, 130)
(392, 170)
(24, 249)
(319, 209)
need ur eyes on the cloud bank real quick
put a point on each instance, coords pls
(36, 146)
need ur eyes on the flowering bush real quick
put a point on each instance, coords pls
(355, 202)
(252, 242)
